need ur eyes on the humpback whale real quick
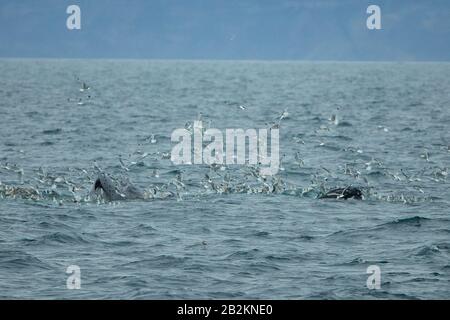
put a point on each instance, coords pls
(113, 191)
(343, 193)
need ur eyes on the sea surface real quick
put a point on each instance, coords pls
(224, 231)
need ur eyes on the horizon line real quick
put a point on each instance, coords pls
(227, 60)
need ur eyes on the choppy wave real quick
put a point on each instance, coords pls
(224, 231)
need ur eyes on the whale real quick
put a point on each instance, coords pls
(113, 191)
(343, 193)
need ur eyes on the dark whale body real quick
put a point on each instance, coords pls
(343, 193)
(113, 191)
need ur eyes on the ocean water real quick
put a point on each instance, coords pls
(224, 232)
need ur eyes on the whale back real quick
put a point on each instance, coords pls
(132, 192)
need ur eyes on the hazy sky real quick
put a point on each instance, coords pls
(227, 29)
